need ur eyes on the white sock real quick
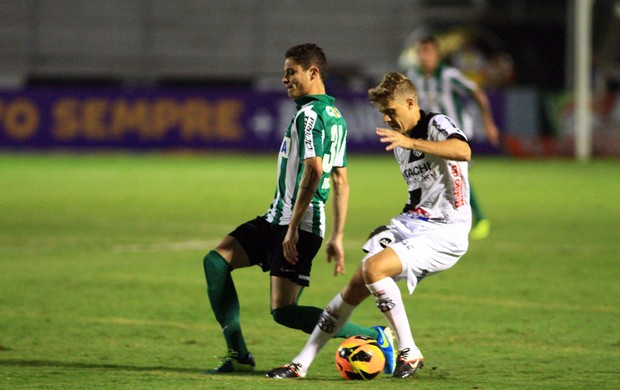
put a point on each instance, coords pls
(332, 319)
(389, 300)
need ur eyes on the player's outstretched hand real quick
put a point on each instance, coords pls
(393, 138)
(335, 251)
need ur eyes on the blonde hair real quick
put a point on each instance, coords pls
(393, 85)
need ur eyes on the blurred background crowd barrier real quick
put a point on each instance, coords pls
(205, 74)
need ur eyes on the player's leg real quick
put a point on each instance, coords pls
(329, 323)
(218, 264)
(287, 283)
(292, 315)
(340, 308)
(288, 280)
(482, 226)
(222, 293)
(378, 273)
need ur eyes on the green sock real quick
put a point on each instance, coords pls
(305, 318)
(475, 207)
(350, 329)
(224, 300)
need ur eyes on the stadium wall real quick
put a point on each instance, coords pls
(165, 118)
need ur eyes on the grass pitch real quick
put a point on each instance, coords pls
(101, 281)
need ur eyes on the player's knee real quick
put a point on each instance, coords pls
(282, 315)
(214, 264)
(372, 270)
(210, 259)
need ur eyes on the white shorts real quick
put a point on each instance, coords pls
(424, 248)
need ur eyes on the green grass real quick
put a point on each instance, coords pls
(101, 281)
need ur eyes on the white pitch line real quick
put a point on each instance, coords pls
(178, 246)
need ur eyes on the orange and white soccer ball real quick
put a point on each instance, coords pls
(359, 358)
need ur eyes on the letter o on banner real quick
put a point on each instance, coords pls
(21, 120)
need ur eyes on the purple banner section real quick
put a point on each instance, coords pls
(160, 118)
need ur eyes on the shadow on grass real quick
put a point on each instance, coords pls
(121, 367)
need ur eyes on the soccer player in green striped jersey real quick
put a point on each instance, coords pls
(444, 89)
(285, 240)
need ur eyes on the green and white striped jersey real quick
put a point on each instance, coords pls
(317, 129)
(446, 92)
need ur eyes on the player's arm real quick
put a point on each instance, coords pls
(340, 205)
(454, 148)
(490, 128)
(313, 169)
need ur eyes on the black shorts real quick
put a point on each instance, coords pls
(262, 242)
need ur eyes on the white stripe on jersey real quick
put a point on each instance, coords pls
(292, 171)
(309, 119)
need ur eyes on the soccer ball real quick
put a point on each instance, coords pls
(359, 358)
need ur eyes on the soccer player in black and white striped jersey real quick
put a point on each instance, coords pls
(429, 236)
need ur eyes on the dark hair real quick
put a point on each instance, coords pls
(307, 55)
(429, 39)
(391, 85)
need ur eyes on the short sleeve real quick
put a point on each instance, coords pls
(441, 127)
(310, 130)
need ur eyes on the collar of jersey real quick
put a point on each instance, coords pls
(420, 130)
(309, 98)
